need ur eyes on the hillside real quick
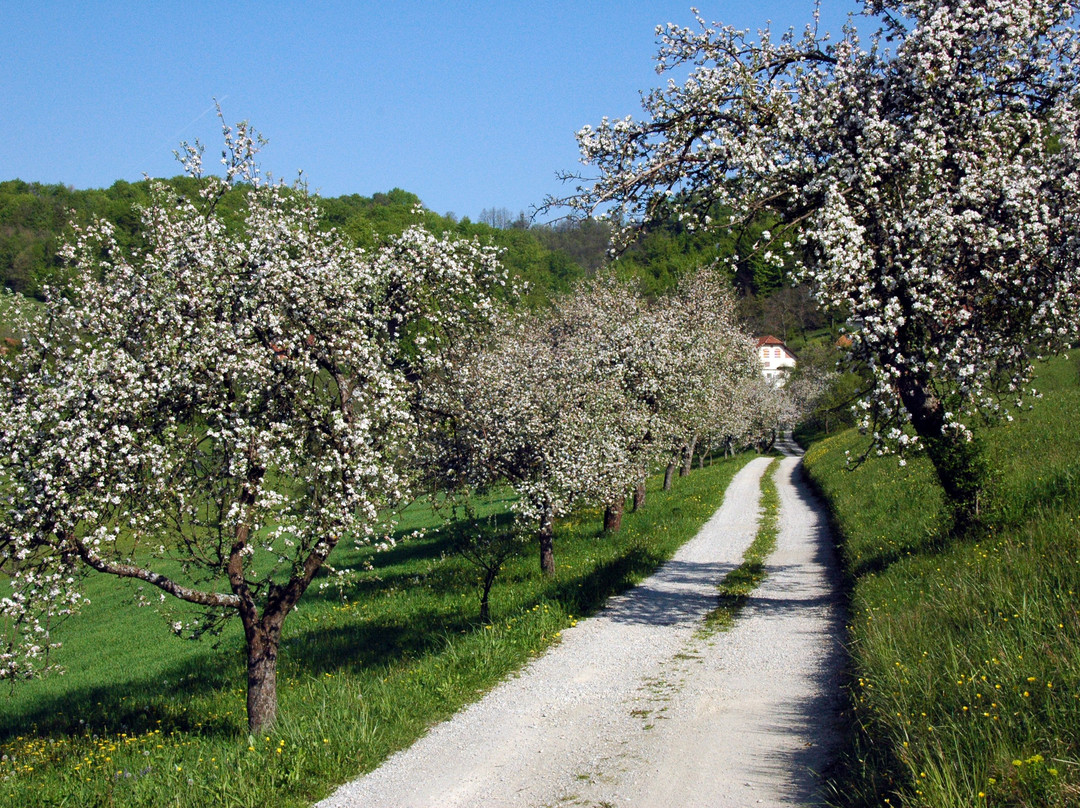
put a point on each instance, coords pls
(966, 669)
(549, 258)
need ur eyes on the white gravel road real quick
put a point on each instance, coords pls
(638, 707)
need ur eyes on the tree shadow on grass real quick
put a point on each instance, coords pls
(169, 700)
(584, 595)
(137, 705)
(372, 643)
(386, 640)
(448, 570)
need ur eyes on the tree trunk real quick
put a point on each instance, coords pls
(262, 651)
(639, 495)
(958, 464)
(546, 535)
(669, 474)
(485, 608)
(613, 514)
(688, 458)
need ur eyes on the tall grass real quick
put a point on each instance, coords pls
(966, 654)
(145, 719)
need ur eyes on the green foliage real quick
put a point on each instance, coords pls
(966, 669)
(369, 221)
(144, 718)
(822, 354)
(34, 218)
(547, 259)
(666, 250)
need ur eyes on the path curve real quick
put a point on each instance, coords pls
(636, 707)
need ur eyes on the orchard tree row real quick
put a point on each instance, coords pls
(581, 401)
(212, 408)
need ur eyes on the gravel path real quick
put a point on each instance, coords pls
(638, 707)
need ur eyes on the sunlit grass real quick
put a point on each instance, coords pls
(966, 669)
(143, 718)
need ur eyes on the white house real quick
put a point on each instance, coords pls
(776, 358)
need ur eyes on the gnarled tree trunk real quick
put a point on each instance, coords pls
(639, 495)
(688, 457)
(613, 515)
(262, 653)
(669, 474)
(957, 463)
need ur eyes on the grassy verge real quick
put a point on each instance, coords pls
(966, 655)
(143, 718)
(738, 584)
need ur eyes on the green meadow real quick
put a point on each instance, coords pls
(143, 718)
(965, 671)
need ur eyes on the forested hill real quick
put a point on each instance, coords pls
(34, 219)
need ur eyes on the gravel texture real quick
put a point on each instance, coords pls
(638, 706)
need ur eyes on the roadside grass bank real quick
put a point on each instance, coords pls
(143, 718)
(965, 674)
(739, 584)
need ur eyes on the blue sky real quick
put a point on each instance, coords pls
(469, 105)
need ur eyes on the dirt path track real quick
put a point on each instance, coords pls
(635, 707)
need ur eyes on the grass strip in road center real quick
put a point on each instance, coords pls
(739, 584)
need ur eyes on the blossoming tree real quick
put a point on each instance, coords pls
(541, 406)
(699, 358)
(579, 402)
(214, 413)
(931, 174)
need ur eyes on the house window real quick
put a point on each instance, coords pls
(776, 352)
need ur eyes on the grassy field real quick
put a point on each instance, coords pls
(144, 718)
(966, 670)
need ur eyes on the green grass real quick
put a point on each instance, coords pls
(144, 718)
(739, 584)
(966, 654)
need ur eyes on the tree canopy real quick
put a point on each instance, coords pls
(929, 175)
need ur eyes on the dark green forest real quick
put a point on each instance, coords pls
(35, 219)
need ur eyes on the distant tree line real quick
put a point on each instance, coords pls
(549, 258)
